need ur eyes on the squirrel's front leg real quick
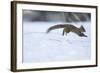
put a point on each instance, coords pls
(63, 32)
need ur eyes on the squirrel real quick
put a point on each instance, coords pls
(69, 28)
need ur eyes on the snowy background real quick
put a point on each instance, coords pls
(38, 46)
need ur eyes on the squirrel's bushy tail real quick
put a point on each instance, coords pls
(55, 27)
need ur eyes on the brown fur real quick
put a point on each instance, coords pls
(69, 28)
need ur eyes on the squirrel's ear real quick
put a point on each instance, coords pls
(82, 28)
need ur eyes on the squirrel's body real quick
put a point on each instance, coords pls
(69, 28)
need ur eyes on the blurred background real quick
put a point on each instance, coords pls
(53, 16)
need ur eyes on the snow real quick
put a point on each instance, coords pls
(39, 46)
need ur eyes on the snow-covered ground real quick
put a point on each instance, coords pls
(38, 46)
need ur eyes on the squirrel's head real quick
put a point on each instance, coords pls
(82, 35)
(82, 29)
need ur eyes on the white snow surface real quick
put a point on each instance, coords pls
(39, 46)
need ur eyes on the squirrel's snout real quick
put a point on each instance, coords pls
(83, 35)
